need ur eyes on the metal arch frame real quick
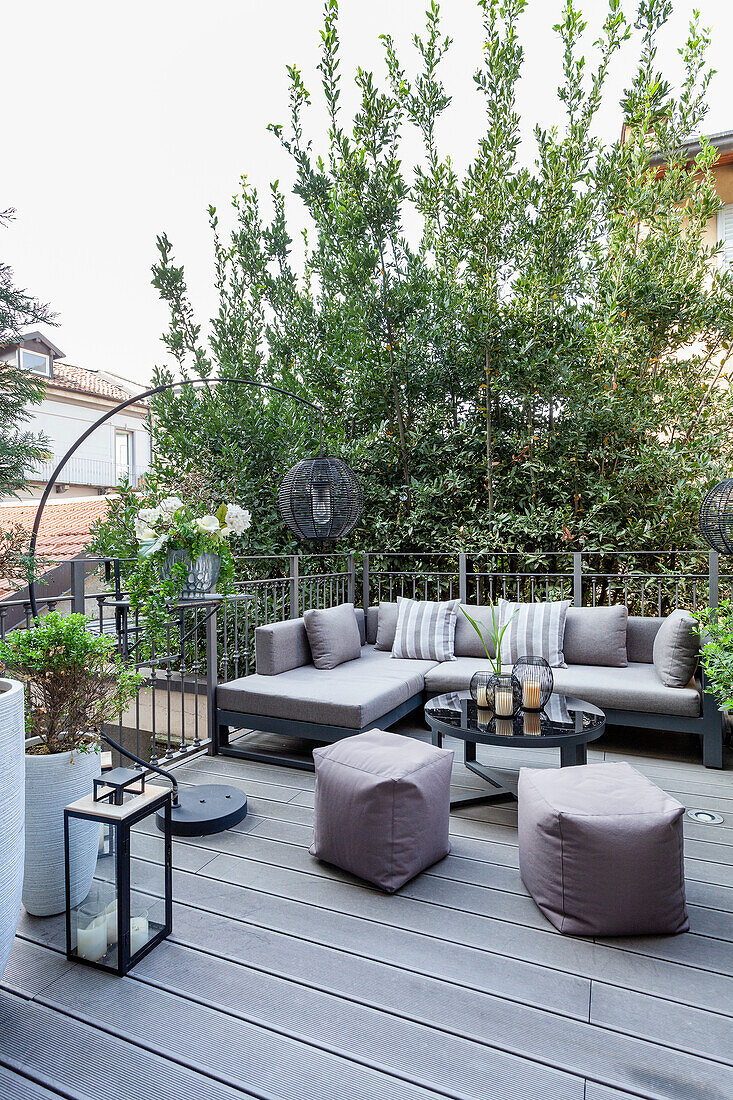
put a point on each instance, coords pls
(132, 401)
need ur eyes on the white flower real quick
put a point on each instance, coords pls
(238, 519)
(209, 524)
(169, 506)
(142, 531)
(144, 521)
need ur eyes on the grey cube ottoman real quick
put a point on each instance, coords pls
(382, 806)
(601, 851)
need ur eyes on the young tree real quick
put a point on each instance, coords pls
(19, 450)
(545, 364)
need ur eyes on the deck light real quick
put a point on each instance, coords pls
(705, 817)
(114, 916)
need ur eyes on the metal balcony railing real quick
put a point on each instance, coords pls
(97, 472)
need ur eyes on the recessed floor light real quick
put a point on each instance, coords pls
(705, 817)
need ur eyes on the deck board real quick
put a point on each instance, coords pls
(286, 978)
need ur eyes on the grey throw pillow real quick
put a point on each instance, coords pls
(425, 630)
(386, 625)
(676, 649)
(534, 630)
(333, 635)
(596, 636)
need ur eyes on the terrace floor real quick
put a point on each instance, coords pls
(285, 978)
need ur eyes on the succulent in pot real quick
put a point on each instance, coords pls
(74, 682)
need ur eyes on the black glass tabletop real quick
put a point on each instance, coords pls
(563, 721)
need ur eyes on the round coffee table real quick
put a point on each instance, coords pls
(565, 721)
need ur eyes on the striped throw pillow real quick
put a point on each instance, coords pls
(536, 630)
(425, 631)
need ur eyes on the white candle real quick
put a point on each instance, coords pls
(504, 701)
(481, 696)
(111, 914)
(531, 694)
(138, 933)
(91, 942)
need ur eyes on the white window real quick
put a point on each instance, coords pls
(33, 361)
(123, 453)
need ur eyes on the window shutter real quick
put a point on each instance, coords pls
(725, 234)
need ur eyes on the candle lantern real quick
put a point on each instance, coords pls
(500, 693)
(128, 906)
(536, 679)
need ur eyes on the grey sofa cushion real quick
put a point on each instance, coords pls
(281, 646)
(333, 635)
(356, 694)
(676, 647)
(641, 630)
(596, 636)
(601, 852)
(386, 625)
(636, 687)
(382, 806)
(361, 623)
(372, 617)
(468, 643)
(533, 630)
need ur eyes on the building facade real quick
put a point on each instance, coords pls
(75, 398)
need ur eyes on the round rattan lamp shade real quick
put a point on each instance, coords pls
(716, 517)
(320, 498)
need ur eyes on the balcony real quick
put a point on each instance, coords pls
(97, 472)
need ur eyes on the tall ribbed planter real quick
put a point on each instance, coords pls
(51, 783)
(12, 811)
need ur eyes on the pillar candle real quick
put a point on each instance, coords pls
(111, 914)
(91, 942)
(138, 933)
(504, 701)
(531, 694)
(481, 695)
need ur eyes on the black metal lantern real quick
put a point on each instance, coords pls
(114, 916)
(501, 693)
(716, 517)
(320, 498)
(535, 676)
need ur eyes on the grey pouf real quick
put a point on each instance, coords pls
(601, 850)
(382, 806)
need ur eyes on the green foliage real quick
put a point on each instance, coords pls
(494, 634)
(20, 450)
(543, 364)
(717, 651)
(74, 681)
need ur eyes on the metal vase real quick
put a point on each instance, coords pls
(51, 783)
(12, 812)
(203, 573)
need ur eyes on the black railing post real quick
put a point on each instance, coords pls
(577, 578)
(294, 577)
(365, 582)
(78, 575)
(351, 581)
(462, 581)
(212, 662)
(713, 578)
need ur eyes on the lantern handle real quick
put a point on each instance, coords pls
(143, 763)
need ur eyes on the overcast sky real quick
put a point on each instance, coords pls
(129, 119)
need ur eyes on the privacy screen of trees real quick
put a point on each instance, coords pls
(542, 364)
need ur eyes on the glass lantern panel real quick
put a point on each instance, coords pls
(147, 884)
(93, 890)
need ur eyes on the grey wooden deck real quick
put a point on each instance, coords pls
(285, 978)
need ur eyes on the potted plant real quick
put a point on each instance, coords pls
(182, 554)
(12, 812)
(716, 648)
(496, 690)
(74, 682)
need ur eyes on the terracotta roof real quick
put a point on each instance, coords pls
(68, 377)
(64, 528)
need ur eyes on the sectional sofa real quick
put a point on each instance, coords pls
(609, 655)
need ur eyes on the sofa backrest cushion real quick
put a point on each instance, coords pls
(426, 629)
(386, 625)
(596, 636)
(333, 635)
(676, 648)
(372, 617)
(361, 623)
(468, 643)
(533, 630)
(281, 646)
(641, 630)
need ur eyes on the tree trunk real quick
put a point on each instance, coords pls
(489, 437)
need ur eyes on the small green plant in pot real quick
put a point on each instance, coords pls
(494, 690)
(716, 647)
(74, 682)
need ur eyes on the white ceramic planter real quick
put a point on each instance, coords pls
(51, 783)
(12, 811)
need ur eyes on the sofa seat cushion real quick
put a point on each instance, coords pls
(636, 687)
(355, 694)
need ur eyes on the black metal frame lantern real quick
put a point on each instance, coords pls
(320, 499)
(716, 517)
(111, 923)
(535, 676)
(497, 692)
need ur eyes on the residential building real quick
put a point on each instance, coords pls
(75, 398)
